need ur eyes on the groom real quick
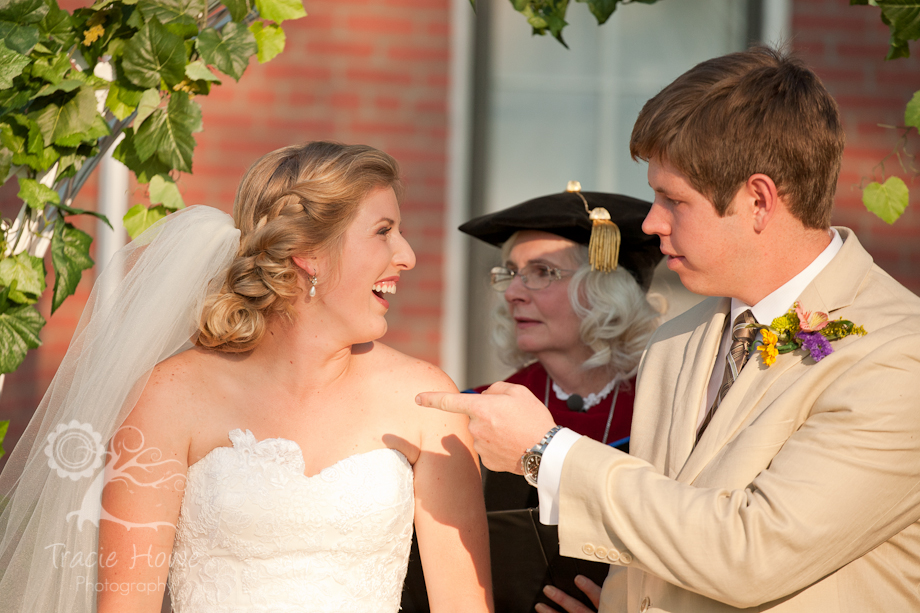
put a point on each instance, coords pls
(786, 482)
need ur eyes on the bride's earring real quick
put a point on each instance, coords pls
(313, 286)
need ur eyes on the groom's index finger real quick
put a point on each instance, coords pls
(450, 402)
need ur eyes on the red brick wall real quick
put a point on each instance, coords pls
(376, 72)
(355, 71)
(846, 46)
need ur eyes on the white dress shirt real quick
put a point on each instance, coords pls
(772, 306)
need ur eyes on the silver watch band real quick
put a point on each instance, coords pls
(530, 461)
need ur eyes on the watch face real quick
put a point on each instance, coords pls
(531, 465)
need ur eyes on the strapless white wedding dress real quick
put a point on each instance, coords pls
(256, 535)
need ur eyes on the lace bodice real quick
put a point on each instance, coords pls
(255, 534)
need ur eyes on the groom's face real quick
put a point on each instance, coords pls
(706, 250)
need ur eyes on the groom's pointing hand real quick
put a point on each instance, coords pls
(505, 421)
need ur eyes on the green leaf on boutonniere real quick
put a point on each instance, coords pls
(70, 256)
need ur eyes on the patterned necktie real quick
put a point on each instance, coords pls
(738, 353)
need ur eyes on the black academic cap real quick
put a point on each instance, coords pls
(564, 214)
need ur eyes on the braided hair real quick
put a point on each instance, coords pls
(296, 201)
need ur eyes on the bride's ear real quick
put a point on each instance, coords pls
(307, 265)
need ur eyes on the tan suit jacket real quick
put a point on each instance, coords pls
(803, 495)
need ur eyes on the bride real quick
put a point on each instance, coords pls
(279, 463)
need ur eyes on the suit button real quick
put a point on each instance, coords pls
(626, 557)
(645, 605)
(613, 555)
(601, 552)
(588, 549)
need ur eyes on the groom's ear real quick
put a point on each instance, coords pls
(308, 265)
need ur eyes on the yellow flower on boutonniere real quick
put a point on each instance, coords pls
(767, 347)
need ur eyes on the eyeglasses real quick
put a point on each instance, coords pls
(533, 276)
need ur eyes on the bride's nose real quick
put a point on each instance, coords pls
(404, 256)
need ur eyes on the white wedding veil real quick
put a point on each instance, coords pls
(143, 309)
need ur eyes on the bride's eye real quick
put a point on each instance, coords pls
(384, 230)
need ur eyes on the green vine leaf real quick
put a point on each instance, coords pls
(52, 69)
(150, 101)
(228, 50)
(903, 20)
(24, 275)
(239, 9)
(19, 329)
(6, 162)
(269, 38)
(280, 10)
(70, 257)
(154, 53)
(166, 11)
(69, 210)
(24, 12)
(198, 71)
(887, 200)
(601, 9)
(182, 26)
(121, 101)
(163, 190)
(912, 112)
(11, 65)
(23, 138)
(58, 24)
(144, 170)
(168, 133)
(17, 37)
(37, 195)
(139, 218)
(4, 426)
(60, 123)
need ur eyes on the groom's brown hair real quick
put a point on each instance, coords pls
(755, 111)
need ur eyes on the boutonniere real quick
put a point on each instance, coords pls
(800, 328)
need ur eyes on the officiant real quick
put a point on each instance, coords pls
(574, 327)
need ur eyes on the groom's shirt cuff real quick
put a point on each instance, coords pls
(551, 474)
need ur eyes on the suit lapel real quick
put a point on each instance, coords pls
(692, 382)
(834, 288)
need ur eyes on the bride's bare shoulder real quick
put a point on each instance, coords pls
(404, 371)
(180, 380)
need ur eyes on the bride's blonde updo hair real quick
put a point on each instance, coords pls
(296, 201)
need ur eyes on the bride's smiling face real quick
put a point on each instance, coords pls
(367, 270)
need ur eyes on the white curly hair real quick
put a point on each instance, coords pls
(617, 317)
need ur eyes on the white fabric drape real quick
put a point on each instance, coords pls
(143, 309)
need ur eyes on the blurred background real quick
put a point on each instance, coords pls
(482, 115)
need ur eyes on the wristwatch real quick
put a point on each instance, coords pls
(530, 461)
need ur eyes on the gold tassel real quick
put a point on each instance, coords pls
(604, 247)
